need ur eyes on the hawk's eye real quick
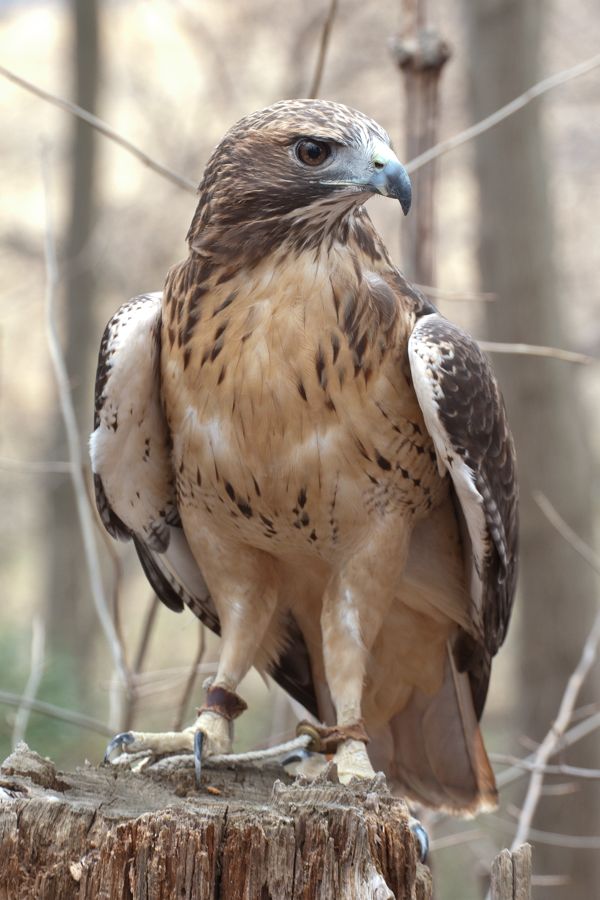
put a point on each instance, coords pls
(312, 153)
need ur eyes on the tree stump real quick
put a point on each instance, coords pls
(247, 832)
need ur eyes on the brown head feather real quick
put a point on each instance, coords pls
(253, 183)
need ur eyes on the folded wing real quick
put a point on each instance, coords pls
(465, 416)
(130, 452)
(130, 449)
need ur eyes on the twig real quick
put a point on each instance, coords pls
(75, 456)
(109, 545)
(35, 468)
(438, 150)
(560, 789)
(550, 742)
(115, 602)
(145, 636)
(537, 350)
(453, 840)
(170, 677)
(103, 128)
(325, 35)
(572, 736)
(550, 880)
(56, 712)
(504, 112)
(554, 838)
(530, 766)
(566, 532)
(150, 618)
(36, 668)
(569, 698)
(582, 712)
(437, 293)
(190, 681)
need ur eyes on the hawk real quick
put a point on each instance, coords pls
(315, 461)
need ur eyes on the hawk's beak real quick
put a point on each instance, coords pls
(389, 177)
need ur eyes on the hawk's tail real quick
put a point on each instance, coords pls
(435, 752)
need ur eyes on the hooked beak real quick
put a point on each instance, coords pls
(389, 177)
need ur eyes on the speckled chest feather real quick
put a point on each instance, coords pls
(289, 395)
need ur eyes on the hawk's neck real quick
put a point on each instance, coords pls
(326, 226)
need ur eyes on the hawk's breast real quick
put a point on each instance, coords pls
(282, 439)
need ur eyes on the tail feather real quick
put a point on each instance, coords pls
(435, 752)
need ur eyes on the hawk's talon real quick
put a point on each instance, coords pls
(120, 741)
(421, 837)
(297, 756)
(198, 741)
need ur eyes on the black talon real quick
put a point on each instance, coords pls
(422, 839)
(296, 756)
(118, 742)
(198, 741)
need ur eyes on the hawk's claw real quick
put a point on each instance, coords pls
(421, 837)
(198, 741)
(119, 741)
(296, 756)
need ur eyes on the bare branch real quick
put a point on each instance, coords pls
(566, 532)
(169, 685)
(588, 656)
(572, 736)
(36, 668)
(529, 766)
(578, 732)
(573, 841)
(437, 293)
(172, 676)
(325, 35)
(191, 680)
(103, 128)
(537, 350)
(146, 633)
(547, 84)
(86, 519)
(34, 467)
(550, 880)
(433, 153)
(56, 712)
(129, 708)
(459, 837)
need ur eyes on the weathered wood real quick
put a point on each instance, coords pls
(522, 872)
(106, 832)
(511, 874)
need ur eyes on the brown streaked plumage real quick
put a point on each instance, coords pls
(314, 460)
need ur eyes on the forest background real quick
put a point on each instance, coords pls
(515, 255)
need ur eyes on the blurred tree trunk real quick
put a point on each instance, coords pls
(69, 607)
(518, 262)
(420, 54)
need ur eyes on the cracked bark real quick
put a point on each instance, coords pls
(107, 832)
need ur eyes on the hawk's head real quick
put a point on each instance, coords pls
(296, 164)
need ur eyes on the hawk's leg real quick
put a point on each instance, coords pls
(354, 608)
(244, 590)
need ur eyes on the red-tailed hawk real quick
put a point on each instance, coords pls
(315, 461)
